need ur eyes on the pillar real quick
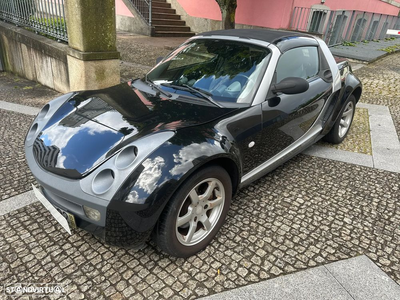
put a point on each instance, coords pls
(93, 60)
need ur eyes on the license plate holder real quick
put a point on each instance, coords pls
(69, 217)
(66, 220)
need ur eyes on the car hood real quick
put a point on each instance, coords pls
(92, 125)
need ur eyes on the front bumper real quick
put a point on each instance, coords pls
(67, 195)
(115, 231)
(120, 223)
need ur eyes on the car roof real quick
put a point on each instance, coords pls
(284, 40)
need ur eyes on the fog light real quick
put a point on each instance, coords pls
(92, 213)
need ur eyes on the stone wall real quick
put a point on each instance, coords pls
(128, 19)
(34, 57)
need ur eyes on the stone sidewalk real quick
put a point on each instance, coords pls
(354, 278)
(368, 51)
(139, 53)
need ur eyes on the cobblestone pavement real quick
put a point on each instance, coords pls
(381, 85)
(15, 177)
(139, 53)
(307, 213)
(22, 91)
(359, 138)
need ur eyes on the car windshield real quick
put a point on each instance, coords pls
(223, 71)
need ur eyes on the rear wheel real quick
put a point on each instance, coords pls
(341, 128)
(196, 213)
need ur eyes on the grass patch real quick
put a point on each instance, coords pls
(347, 43)
(391, 49)
(53, 25)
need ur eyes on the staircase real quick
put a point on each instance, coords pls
(166, 22)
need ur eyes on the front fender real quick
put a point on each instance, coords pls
(143, 196)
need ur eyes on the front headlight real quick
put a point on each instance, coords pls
(32, 132)
(106, 180)
(44, 115)
(103, 181)
(126, 157)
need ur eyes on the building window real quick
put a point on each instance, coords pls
(358, 29)
(317, 21)
(338, 29)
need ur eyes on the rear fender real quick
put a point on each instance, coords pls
(350, 85)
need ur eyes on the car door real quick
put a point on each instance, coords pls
(285, 118)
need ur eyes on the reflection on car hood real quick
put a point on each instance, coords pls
(93, 125)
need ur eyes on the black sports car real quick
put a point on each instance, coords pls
(163, 156)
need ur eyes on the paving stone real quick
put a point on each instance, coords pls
(358, 139)
(330, 223)
(381, 85)
(15, 177)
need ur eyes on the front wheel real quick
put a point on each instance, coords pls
(196, 213)
(342, 126)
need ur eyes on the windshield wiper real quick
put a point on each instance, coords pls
(202, 93)
(156, 87)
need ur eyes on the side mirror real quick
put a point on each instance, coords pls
(159, 59)
(291, 85)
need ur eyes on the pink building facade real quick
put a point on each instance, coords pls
(277, 14)
(335, 20)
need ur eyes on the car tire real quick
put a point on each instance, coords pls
(342, 126)
(195, 213)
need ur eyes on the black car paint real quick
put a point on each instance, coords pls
(350, 85)
(94, 125)
(226, 140)
(222, 134)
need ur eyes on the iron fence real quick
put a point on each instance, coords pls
(343, 25)
(143, 7)
(42, 16)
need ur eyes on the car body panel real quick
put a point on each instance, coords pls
(93, 125)
(175, 136)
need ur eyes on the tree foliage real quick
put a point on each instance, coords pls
(228, 12)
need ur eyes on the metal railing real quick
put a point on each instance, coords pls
(343, 25)
(143, 7)
(42, 16)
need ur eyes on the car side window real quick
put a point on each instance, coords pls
(299, 62)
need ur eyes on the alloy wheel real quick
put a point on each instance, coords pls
(346, 119)
(200, 211)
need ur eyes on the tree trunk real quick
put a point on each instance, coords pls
(228, 10)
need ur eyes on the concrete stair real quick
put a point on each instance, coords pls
(166, 22)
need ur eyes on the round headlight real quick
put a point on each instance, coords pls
(43, 112)
(32, 131)
(103, 181)
(126, 157)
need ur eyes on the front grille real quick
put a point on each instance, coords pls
(46, 156)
